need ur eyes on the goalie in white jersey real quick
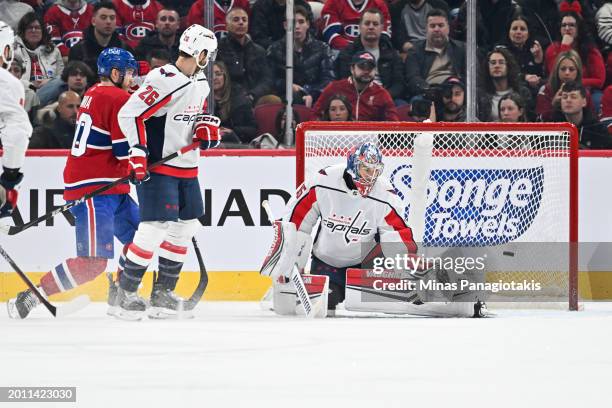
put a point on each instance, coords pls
(358, 209)
(15, 128)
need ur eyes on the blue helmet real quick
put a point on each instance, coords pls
(117, 58)
(364, 164)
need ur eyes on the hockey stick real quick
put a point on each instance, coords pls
(76, 304)
(192, 302)
(16, 229)
(296, 277)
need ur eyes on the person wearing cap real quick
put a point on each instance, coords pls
(453, 100)
(370, 101)
(389, 65)
(431, 61)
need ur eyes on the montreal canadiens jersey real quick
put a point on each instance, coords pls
(349, 222)
(136, 21)
(161, 115)
(67, 26)
(99, 153)
(221, 8)
(341, 20)
(15, 128)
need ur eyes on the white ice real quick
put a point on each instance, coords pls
(236, 355)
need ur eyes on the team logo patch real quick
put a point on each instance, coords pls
(351, 227)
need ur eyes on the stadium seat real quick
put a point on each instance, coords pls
(265, 116)
(404, 112)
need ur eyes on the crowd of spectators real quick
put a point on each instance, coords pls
(366, 60)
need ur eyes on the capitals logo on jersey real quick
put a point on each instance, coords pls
(350, 227)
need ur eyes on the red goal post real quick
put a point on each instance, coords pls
(539, 158)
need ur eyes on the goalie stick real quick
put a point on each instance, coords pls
(296, 277)
(16, 229)
(70, 307)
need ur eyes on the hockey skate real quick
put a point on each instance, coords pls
(21, 306)
(129, 306)
(165, 304)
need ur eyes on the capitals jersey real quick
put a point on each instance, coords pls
(67, 26)
(341, 20)
(99, 150)
(349, 222)
(221, 8)
(15, 128)
(136, 21)
(161, 115)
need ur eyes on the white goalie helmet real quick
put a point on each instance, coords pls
(196, 39)
(7, 38)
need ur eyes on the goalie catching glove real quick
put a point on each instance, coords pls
(8, 194)
(207, 132)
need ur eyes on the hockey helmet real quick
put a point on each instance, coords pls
(364, 164)
(7, 38)
(196, 39)
(117, 58)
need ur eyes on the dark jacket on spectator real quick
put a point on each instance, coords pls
(247, 65)
(88, 49)
(545, 108)
(419, 62)
(593, 134)
(396, 9)
(267, 18)
(525, 59)
(152, 42)
(57, 134)
(373, 103)
(389, 65)
(312, 67)
(240, 119)
(485, 104)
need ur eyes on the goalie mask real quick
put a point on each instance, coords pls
(197, 39)
(364, 165)
(7, 38)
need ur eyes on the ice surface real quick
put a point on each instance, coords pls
(236, 355)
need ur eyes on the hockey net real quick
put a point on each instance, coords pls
(507, 189)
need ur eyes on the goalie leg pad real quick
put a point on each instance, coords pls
(284, 251)
(287, 303)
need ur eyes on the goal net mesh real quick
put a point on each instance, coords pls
(499, 191)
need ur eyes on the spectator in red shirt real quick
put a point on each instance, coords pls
(67, 21)
(370, 101)
(575, 36)
(221, 8)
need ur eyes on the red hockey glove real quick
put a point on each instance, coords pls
(207, 132)
(143, 68)
(138, 164)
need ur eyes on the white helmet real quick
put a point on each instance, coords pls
(7, 38)
(196, 39)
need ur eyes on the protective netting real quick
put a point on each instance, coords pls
(493, 189)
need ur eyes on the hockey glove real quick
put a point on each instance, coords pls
(138, 164)
(207, 132)
(8, 194)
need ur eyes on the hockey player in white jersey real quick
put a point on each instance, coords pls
(357, 208)
(163, 116)
(15, 128)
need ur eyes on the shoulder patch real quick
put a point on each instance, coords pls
(392, 191)
(166, 73)
(323, 172)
